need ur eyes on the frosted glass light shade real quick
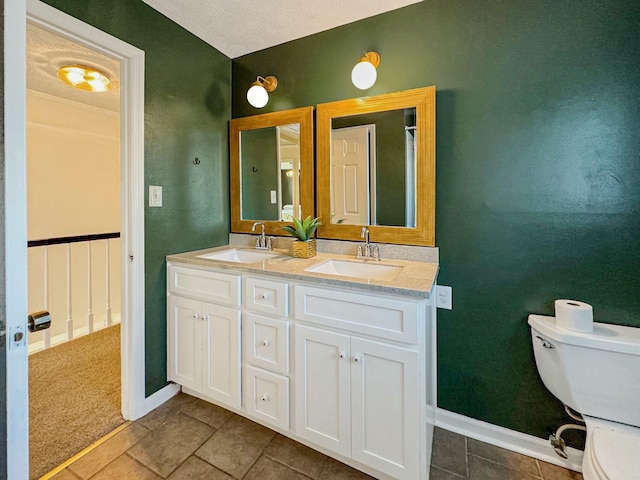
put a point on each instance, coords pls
(257, 96)
(364, 75)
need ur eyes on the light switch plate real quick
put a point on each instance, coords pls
(443, 297)
(274, 198)
(155, 196)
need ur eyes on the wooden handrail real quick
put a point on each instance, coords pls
(75, 239)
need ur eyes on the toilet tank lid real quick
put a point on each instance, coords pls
(615, 338)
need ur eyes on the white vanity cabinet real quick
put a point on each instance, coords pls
(203, 337)
(358, 396)
(349, 371)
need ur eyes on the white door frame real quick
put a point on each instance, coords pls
(134, 403)
(15, 238)
(131, 180)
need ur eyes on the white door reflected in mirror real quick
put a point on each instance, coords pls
(352, 167)
(373, 169)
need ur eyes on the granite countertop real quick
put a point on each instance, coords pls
(415, 279)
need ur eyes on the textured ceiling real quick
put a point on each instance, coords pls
(46, 52)
(238, 27)
(234, 27)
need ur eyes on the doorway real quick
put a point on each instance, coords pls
(134, 402)
(74, 267)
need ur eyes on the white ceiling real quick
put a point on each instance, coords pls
(46, 52)
(238, 27)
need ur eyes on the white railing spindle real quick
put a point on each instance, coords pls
(89, 287)
(47, 332)
(69, 318)
(107, 316)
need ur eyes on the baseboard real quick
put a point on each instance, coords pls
(156, 399)
(510, 439)
(61, 338)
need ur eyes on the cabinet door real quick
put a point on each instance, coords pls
(221, 354)
(322, 401)
(183, 341)
(266, 396)
(385, 408)
(266, 342)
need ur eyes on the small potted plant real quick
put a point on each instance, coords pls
(304, 246)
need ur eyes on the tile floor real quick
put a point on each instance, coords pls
(187, 438)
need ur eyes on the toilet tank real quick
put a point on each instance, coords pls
(596, 373)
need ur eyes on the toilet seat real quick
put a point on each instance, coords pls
(613, 451)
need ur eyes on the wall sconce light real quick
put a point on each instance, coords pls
(258, 93)
(364, 74)
(85, 78)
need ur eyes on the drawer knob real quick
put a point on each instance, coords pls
(265, 296)
(265, 398)
(196, 316)
(356, 358)
(343, 354)
(266, 342)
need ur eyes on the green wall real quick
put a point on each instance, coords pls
(537, 169)
(260, 170)
(187, 108)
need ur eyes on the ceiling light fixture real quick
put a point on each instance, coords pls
(258, 93)
(364, 74)
(85, 78)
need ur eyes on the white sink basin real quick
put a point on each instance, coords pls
(238, 255)
(344, 268)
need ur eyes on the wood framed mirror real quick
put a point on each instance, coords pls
(271, 171)
(375, 167)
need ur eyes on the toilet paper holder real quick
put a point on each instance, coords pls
(39, 321)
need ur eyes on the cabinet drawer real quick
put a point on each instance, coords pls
(267, 396)
(267, 296)
(384, 317)
(205, 285)
(266, 342)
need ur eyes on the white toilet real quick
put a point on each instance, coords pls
(598, 375)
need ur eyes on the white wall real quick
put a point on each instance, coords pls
(73, 168)
(73, 188)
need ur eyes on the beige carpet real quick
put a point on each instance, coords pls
(74, 397)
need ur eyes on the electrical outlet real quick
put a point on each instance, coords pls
(443, 297)
(155, 196)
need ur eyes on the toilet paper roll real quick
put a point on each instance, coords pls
(574, 315)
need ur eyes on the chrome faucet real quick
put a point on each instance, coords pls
(367, 250)
(262, 242)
